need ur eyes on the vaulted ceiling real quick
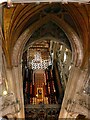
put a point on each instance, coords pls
(21, 16)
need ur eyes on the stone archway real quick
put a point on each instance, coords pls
(17, 52)
(71, 34)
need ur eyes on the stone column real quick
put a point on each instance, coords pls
(74, 84)
(17, 77)
(11, 82)
(21, 89)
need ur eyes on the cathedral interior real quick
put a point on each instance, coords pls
(44, 60)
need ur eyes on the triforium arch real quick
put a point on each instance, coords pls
(77, 49)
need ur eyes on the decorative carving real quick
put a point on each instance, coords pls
(72, 105)
(84, 103)
(8, 104)
(42, 111)
(86, 88)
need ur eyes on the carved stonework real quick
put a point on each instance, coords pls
(86, 88)
(70, 105)
(78, 106)
(83, 103)
(42, 111)
(8, 105)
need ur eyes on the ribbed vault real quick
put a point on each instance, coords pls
(19, 17)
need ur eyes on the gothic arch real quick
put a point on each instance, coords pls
(71, 34)
(77, 51)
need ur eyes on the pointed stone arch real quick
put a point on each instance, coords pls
(77, 51)
(70, 33)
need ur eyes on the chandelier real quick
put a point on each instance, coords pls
(38, 62)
